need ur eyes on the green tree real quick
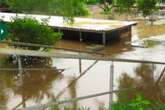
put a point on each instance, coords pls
(3, 2)
(147, 7)
(57, 7)
(124, 5)
(31, 6)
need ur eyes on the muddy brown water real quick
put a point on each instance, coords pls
(42, 86)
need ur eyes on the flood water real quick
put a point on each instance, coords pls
(40, 86)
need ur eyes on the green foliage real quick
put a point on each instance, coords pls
(161, 107)
(3, 3)
(58, 7)
(162, 1)
(120, 106)
(69, 8)
(124, 5)
(147, 7)
(31, 31)
(107, 8)
(54, 107)
(139, 103)
(151, 43)
(29, 6)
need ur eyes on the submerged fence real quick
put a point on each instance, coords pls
(79, 56)
(111, 91)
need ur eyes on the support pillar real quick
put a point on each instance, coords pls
(80, 35)
(104, 38)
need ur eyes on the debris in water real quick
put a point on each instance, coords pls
(95, 48)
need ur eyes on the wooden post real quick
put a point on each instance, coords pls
(104, 38)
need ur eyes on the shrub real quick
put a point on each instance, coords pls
(29, 30)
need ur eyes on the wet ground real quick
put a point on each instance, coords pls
(41, 86)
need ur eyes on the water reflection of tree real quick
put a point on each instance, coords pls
(144, 82)
(36, 84)
(3, 97)
(32, 84)
(73, 92)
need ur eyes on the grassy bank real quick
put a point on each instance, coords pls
(146, 30)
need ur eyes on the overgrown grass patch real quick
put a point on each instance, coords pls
(146, 30)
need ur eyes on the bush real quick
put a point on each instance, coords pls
(29, 30)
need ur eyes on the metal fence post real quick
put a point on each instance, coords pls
(80, 66)
(111, 85)
(20, 67)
